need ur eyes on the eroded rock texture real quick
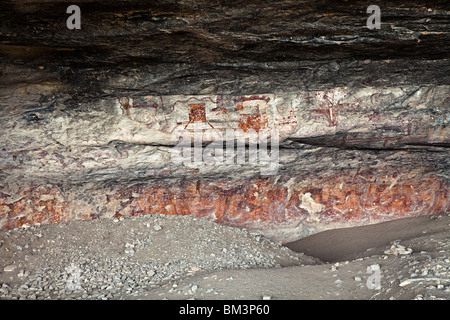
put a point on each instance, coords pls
(91, 118)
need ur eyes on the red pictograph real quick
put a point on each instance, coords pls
(197, 113)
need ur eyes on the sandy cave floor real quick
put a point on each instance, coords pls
(183, 257)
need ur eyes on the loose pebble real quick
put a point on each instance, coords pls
(9, 268)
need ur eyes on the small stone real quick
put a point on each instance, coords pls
(375, 267)
(358, 278)
(266, 297)
(157, 227)
(194, 288)
(9, 268)
(398, 249)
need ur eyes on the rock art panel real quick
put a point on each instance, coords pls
(283, 207)
(113, 158)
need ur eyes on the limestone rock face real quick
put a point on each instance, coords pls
(282, 117)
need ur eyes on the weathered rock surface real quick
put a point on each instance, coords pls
(92, 118)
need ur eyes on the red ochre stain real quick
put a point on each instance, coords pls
(43, 204)
(197, 112)
(258, 202)
(253, 121)
(239, 101)
(125, 105)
